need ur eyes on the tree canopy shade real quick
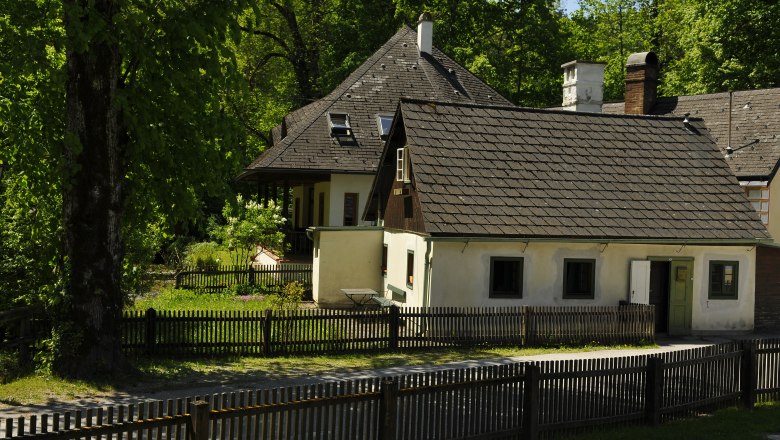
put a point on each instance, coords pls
(118, 107)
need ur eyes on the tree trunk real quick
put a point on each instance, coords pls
(87, 325)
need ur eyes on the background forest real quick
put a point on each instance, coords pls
(201, 83)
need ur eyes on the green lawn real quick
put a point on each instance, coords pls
(191, 300)
(146, 375)
(731, 423)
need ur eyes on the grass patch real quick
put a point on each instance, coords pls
(39, 389)
(155, 375)
(192, 300)
(730, 423)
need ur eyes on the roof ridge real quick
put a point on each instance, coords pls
(544, 110)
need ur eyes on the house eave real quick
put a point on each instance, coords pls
(601, 240)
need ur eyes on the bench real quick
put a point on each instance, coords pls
(382, 301)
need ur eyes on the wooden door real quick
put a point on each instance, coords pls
(680, 297)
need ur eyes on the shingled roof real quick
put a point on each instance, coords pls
(395, 70)
(518, 172)
(755, 126)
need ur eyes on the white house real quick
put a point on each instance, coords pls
(324, 155)
(497, 206)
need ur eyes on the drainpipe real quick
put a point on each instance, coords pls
(427, 276)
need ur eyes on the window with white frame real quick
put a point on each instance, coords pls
(402, 165)
(759, 198)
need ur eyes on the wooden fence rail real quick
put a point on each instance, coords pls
(528, 400)
(20, 328)
(391, 329)
(222, 277)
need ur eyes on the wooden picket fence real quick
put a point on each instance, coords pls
(20, 328)
(272, 277)
(334, 331)
(527, 400)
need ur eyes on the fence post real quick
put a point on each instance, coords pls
(267, 332)
(178, 280)
(388, 409)
(199, 411)
(150, 333)
(531, 398)
(748, 381)
(530, 327)
(251, 275)
(394, 323)
(654, 386)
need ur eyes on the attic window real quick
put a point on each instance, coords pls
(384, 122)
(339, 124)
(402, 165)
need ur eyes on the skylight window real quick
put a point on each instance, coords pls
(339, 124)
(384, 122)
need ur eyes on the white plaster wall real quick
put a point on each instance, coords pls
(398, 244)
(461, 273)
(346, 183)
(344, 259)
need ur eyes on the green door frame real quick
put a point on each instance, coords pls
(680, 294)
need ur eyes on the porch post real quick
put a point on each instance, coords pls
(286, 202)
(265, 195)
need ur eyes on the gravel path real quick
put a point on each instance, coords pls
(264, 382)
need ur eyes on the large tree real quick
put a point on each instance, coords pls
(114, 127)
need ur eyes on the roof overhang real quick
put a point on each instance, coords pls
(598, 240)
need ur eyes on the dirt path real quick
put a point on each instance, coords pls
(263, 381)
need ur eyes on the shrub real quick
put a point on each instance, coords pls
(289, 298)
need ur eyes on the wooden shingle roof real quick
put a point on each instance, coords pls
(395, 70)
(755, 126)
(509, 171)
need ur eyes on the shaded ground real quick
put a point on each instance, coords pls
(228, 378)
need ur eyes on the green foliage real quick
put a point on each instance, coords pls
(247, 225)
(515, 46)
(10, 368)
(712, 46)
(289, 298)
(203, 255)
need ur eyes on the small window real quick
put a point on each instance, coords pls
(506, 277)
(579, 278)
(410, 269)
(350, 209)
(339, 124)
(384, 260)
(724, 276)
(384, 122)
(402, 165)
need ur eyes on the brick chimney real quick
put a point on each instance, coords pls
(583, 86)
(425, 33)
(641, 82)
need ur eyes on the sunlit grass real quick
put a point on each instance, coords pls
(191, 300)
(731, 423)
(155, 374)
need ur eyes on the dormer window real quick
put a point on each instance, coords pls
(384, 122)
(402, 165)
(339, 124)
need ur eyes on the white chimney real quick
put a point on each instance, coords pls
(425, 33)
(583, 86)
